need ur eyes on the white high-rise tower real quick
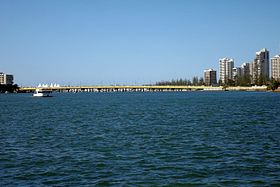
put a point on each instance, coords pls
(226, 66)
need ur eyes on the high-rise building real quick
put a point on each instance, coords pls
(6, 78)
(275, 67)
(210, 77)
(236, 72)
(245, 75)
(245, 70)
(251, 67)
(226, 65)
(260, 67)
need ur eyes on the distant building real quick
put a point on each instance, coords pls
(6, 78)
(226, 66)
(210, 77)
(245, 70)
(260, 67)
(251, 67)
(236, 73)
(275, 67)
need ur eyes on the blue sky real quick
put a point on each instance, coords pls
(93, 42)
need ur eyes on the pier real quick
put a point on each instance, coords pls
(142, 88)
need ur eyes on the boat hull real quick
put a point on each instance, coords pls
(42, 93)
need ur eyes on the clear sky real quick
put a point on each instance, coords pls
(93, 42)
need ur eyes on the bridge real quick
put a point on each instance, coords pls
(142, 88)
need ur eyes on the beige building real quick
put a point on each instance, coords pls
(6, 78)
(275, 67)
(210, 77)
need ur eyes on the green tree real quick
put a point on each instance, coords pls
(273, 85)
(201, 81)
(8, 88)
(195, 81)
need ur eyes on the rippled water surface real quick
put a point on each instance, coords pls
(140, 139)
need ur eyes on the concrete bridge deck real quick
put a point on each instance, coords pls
(142, 88)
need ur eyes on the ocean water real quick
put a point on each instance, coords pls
(140, 139)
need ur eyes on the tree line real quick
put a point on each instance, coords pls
(10, 88)
(271, 84)
(182, 82)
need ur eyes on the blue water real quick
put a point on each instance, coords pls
(140, 139)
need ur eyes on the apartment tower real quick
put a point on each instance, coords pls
(6, 78)
(275, 67)
(260, 67)
(210, 77)
(226, 66)
(245, 70)
(236, 73)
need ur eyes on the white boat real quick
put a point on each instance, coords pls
(39, 92)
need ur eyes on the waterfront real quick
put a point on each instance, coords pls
(140, 139)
